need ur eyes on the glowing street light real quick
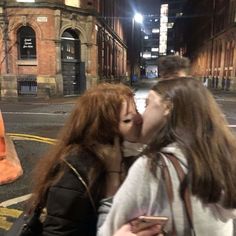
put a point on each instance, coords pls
(139, 19)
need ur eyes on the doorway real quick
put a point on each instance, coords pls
(71, 60)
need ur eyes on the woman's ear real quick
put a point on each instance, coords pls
(167, 108)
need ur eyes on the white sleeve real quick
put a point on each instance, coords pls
(131, 200)
(225, 214)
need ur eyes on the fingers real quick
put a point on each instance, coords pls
(117, 141)
(125, 230)
(154, 230)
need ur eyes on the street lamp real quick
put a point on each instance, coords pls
(138, 18)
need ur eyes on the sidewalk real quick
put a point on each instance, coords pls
(137, 86)
(224, 95)
(140, 87)
(52, 100)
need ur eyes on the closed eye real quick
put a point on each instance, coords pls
(127, 120)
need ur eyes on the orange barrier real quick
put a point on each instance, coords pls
(10, 167)
(2, 138)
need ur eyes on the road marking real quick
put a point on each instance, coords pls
(32, 136)
(9, 212)
(17, 136)
(14, 201)
(4, 224)
(4, 213)
(32, 139)
(33, 113)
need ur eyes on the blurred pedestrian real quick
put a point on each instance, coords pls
(85, 164)
(173, 66)
(181, 120)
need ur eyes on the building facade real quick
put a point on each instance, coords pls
(170, 11)
(209, 39)
(150, 46)
(60, 47)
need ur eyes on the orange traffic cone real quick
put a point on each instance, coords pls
(2, 138)
(10, 167)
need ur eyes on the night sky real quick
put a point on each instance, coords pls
(149, 6)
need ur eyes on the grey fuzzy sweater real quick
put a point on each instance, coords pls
(143, 194)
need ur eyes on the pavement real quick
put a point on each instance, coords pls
(224, 95)
(137, 86)
(140, 88)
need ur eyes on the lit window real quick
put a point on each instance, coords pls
(155, 49)
(179, 13)
(145, 37)
(72, 3)
(170, 25)
(147, 55)
(155, 31)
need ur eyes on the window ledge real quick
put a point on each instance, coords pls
(27, 62)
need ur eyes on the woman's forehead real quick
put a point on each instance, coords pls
(153, 94)
(127, 104)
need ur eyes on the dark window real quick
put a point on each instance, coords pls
(27, 43)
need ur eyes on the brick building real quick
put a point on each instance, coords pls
(208, 29)
(60, 47)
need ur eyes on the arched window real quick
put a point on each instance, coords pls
(26, 43)
(70, 45)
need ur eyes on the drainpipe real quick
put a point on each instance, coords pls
(5, 32)
(212, 34)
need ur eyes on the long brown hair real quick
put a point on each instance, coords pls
(94, 120)
(198, 126)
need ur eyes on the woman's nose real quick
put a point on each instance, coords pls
(138, 120)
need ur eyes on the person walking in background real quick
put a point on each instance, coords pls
(83, 167)
(181, 120)
(173, 66)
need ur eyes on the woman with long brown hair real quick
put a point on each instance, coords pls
(181, 124)
(82, 168)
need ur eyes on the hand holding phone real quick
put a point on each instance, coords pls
(144, 222)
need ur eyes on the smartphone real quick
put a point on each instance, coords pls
(144, 222)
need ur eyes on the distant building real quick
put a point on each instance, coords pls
(150, 32)
(158, 35)
(170, 11)
(60, 47)
(208, 34)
